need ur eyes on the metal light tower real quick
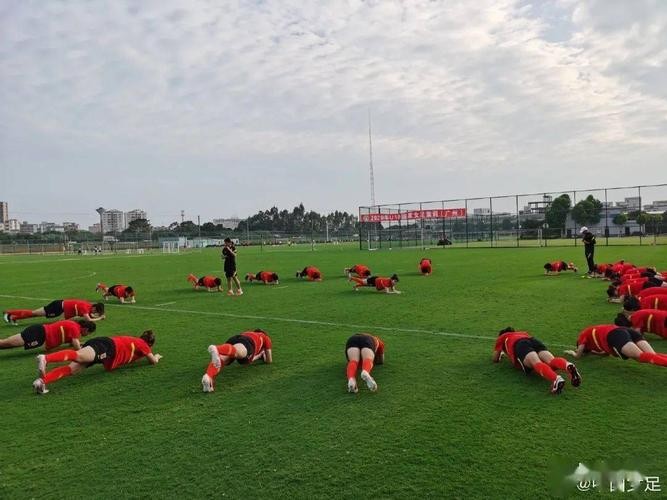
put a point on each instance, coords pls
(370, 152)
(101, 211)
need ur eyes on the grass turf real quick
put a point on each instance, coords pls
(446, 422)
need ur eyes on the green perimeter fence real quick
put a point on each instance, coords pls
(635, 215)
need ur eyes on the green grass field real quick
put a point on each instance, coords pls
(446, 422)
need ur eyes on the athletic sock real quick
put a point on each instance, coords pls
(16, 314)
(226, 350)
(352, 366)
(57, 374)
(545, 371)
(366, 365)
(212, 371)
(559, 364)
(61, 356)
(654, 359)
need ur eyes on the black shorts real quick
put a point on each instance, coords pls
(249, 346)
(200, 282)
(360, 341)
(112, 290)
(524, 347)
(33, 336)
(618, 337)
(54, 309)
(104, 348)
(371, 281)
(230, 271)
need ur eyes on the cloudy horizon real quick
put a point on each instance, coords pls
(226, 108)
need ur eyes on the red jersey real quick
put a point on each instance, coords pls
(630, 276)
(128, 350)
(313, 273)
(61, 332)
(265, 276)
(654, 290)
(119, 291)
(632, 287)
(425, 265)
(650, 320)
(601, 268)
(622, 268)
(595, 338)
(506, 343)
(260, 340)
(73, 308)
(360, 270)
(209, 281)
(382, 283)
(654, 302)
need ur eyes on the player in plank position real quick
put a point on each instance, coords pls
(211, 283)
(381, 284)
(425, 267)
(617, 341)
(71, 308)
(656, 301)
(359, 270)
(528, 353)
(618, 290)
(365, 349)
(245, 348)
(311, 273)
(123, 293)
(266, 277)
(111, 352)
(50, 335)
(645, 321)
(558, 266)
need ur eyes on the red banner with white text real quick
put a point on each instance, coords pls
(443, 213)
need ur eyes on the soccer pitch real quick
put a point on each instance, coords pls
(446, 422)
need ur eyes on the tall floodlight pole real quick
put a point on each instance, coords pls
(101, 211)
(370, 152)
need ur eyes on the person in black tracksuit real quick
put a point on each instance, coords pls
(588, 239)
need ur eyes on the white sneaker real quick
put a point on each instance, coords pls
(352, 386)
(207, 383)
(239, 292)
(41, 364)
(5, 316)
(230, 292)
(39, 386)
(557, 386)
(366, 377)
(215, 357)
(9, 320)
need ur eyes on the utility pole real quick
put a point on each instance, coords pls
(370, 153)
(199, 226)
(182, 216)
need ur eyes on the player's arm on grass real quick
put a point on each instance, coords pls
(379, 358)
(153, 359)
(90, 318)
(76, 344)
(578, 353)
(497, 355)
(268, 356)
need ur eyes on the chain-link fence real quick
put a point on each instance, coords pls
(617, 216)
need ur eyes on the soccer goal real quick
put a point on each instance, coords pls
(170, 247)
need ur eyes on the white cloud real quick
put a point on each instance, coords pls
(280, 90)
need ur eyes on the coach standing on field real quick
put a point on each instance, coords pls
(588, 239)
(229, 256)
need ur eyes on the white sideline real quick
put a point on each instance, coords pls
(367, 328)
(83, 276)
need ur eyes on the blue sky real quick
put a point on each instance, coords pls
(223, 108)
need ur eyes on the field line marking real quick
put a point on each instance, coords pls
(165, 304)
(83, 276)
(299, 321)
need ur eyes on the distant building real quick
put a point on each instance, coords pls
(12, 226)
(4, 212)
(47, 227)
(135, 215)
(95, 228)
(227, 223)
(481, 211)
(658, 206)
(113, 221)
(70, 226)
(27, 228)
